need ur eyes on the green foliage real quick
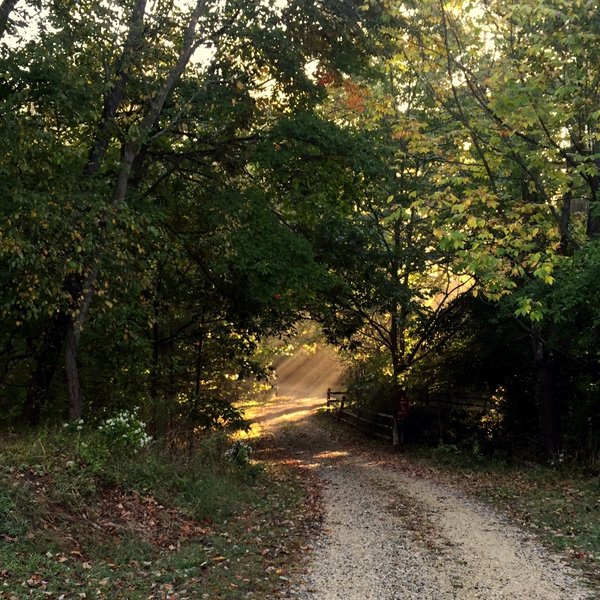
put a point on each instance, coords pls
(491, 187)
(368, 382)
(217, 413)
(115, 439)
(239, 453)
(480, 388)
(368, 163)
(570, 304)
(11, 522)
(146, 210)
(80, 451)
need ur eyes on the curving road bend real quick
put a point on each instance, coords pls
(390, 533)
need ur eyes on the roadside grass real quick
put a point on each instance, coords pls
(559, 504)
(159, 525)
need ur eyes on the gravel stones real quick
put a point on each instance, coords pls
(391, 534)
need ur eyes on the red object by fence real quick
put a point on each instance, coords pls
(402, 407)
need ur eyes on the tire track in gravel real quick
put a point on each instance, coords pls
(390, 534)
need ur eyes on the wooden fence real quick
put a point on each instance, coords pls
(371, 423)
(381, 425)
(374, 424)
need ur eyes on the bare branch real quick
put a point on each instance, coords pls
(115, 94)
(132, 148)
(6, 8)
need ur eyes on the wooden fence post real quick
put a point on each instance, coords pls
(341, 407)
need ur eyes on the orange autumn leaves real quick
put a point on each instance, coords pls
(352, 97)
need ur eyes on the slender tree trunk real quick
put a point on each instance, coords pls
(548, 397)
(398, 317)
(155, 369)
(157, 413)
(198, 367)
(74, 328)
(72, 369)
(46, 361)
(396, 372)
(566, 243)
(131, 150)
(196, 401)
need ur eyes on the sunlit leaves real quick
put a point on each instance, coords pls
(530, 308)
(516, 83)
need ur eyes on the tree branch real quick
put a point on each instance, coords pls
(6, 8)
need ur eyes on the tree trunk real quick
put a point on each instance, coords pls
(593, 220)
(397, 391)
(549, 400)
(62, 325)
(395, 432)
(73, 381)
(131, 150)
(113, 98)
(157, 408)
(74, 328)
(6, 8)
(198, 367)
(82, 292)
(46, 361)
(155, 369)
(566, 243)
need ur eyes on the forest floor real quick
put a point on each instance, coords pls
(395, 528)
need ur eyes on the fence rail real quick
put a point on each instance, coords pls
(335, 397)
(371, 423)
(378, 425)
(381, 425)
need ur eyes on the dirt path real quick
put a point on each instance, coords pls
(390, 533)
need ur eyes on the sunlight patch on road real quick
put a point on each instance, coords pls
(279, 412)
(332, 454)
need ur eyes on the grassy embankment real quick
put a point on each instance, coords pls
(159, 524)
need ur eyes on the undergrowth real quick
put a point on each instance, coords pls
(158, 523)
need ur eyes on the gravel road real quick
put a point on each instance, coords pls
(391, 533)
